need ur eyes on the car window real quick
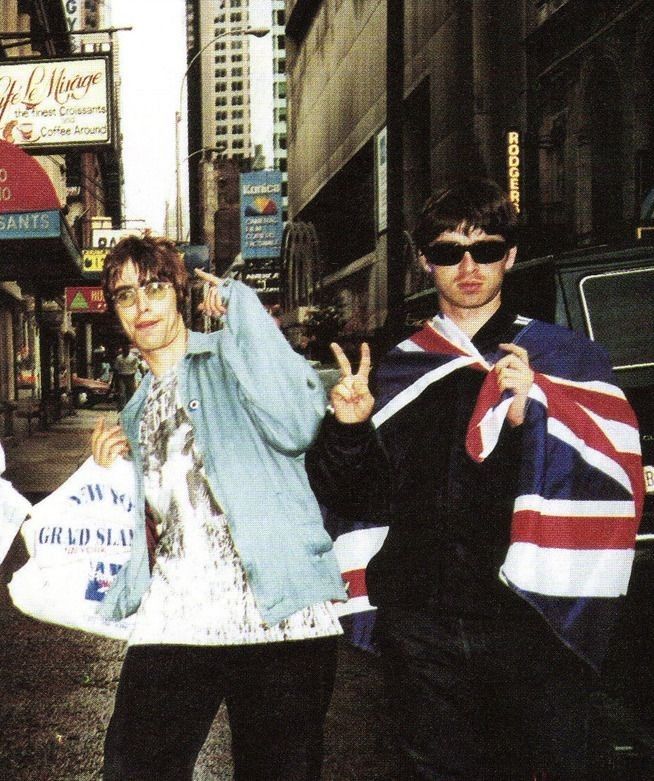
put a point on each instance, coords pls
(619, 314)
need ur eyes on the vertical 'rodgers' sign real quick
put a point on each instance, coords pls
(513, 167)
(50, 103)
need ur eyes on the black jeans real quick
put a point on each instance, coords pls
(277, 695)
(480, 699)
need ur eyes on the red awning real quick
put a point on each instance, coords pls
(24, 185)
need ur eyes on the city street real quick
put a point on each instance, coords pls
(58, 685)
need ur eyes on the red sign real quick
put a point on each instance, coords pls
(24, 185)
(85, 299)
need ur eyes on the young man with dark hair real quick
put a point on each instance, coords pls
(237, 606)
(482, 453)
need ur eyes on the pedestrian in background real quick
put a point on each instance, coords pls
(238, 604)
(483, 455)
(125, 368)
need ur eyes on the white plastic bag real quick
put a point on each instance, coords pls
(78, 538)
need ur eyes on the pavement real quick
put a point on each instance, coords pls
(57, 685)
(40, 462)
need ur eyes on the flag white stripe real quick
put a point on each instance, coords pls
(354, 605)
(355, 549)
(623, 436)
(591, 456)
(490, 426)
(598, 386)
(561, 572)
(575, 508)
(413, 391)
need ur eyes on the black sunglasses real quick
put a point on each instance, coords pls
(449, 253)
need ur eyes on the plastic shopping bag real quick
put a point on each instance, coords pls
(78, 538)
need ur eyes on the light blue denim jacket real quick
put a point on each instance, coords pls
(256, 407)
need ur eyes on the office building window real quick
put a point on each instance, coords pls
(237, 72)
(220, 73)
(237, 100)
(237, 129)
(221, 101)
(237, 58)
(220, 86)
(235, 17)
(237, 85)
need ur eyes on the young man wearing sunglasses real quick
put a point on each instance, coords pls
(477, 462)
(237, 604)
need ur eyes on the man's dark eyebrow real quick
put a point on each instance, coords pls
(122, 287)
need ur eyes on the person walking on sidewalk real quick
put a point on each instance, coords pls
(238, 603)
(497, 444)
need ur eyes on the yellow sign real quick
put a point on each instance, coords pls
(513, 167)
(93, 260)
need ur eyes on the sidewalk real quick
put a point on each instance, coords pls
(40, 463)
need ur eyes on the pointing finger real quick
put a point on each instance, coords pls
(207, 277)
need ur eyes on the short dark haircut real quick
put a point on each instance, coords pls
(155, 258)
(471, 203)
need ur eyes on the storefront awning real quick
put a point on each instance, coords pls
(38, 247)
(36, 243)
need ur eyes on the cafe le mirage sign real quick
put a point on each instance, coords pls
(56, 103)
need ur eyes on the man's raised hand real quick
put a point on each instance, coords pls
(351, 397)
(212, 304)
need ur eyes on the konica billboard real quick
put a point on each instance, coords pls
(56, 103)
(261, 214)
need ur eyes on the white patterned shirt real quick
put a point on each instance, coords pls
(199, 594)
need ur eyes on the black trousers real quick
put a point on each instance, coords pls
(277, 695)
(479, 699)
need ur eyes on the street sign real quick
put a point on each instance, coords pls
(85, 299)
(107, 238)
(31, 225)
(93, 260)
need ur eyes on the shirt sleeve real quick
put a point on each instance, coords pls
(281, 392)
(349, 470)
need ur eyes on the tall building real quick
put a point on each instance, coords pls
(224, 76)
(278, 31)
(219, 121)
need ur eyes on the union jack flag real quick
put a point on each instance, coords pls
(581, 490)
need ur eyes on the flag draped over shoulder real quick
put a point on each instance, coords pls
(580, 488)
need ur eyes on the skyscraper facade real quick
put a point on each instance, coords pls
(279, 94)
(225, 77)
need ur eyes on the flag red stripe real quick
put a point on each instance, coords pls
(356, 582)
(580, 533)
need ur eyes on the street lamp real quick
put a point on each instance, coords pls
(257, 32)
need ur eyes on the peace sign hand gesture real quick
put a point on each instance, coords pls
(351, 397)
